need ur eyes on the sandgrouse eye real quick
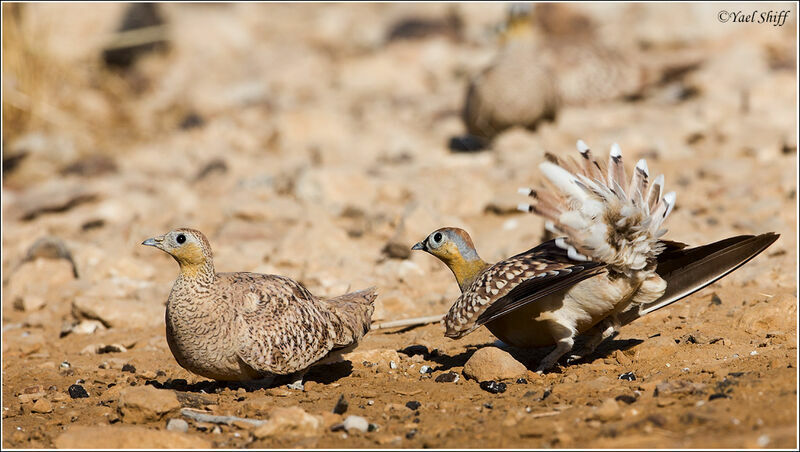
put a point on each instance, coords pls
(180, 239)
(437, 237)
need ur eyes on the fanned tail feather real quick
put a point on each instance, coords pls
(601, 214)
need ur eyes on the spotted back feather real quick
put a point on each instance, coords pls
(599, 215)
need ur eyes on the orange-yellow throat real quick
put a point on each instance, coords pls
(464, 270)
(191, 259)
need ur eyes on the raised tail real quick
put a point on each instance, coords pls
(599, 214)
(353, 315)
(688, 270)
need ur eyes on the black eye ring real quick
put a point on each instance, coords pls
(437, 237)
(180, 238)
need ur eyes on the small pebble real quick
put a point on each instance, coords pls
(762, 441)
(449, 377)
(488, 405)
(417, 349)
(191, 121)
(753, 353)
(65, 365)
(625, 398)
(341, 405)
(77, 391)
(425, 370)
(717, 395)
(493, 387)
(42, 406)
(629, 376)
(411, 433)
(413, 405)
(356, 423)
(370, 402)
(177, 425)
(392, 365)
(129, 368)
(522, 381)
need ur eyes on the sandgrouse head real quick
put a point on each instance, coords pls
(448, 244)
(454, 247)
(187, 246)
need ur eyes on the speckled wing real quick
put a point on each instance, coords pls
(515, 282)
(282, 328)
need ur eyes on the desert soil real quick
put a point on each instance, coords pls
(303, 141)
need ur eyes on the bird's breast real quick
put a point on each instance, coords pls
(200, 335)
(581, 307)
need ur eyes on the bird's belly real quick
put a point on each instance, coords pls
(580, 308)
(209, 353)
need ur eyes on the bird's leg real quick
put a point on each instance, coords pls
(598, 334)
(565, 339)
(297, 381)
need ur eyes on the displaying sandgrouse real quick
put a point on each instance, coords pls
(246, 326)
(607, 267)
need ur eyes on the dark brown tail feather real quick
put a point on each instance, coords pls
(688, 270)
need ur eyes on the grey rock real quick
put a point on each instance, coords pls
(177, 425)
(356, 423)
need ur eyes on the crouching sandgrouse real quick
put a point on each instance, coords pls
(247, 326)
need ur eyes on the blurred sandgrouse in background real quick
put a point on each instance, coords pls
(551, 55)
(247, 326)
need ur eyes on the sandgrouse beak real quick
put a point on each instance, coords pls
(420, 246)
(154, 241)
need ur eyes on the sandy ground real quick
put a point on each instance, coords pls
(302, 141)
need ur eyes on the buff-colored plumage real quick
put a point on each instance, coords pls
(550, 56)
(607, 267)
(245, 326)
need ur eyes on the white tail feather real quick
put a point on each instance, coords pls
(600, 214)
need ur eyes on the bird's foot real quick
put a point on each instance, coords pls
(575, 357)
(543, 367)
(297, 385)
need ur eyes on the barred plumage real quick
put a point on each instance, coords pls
(245, 326)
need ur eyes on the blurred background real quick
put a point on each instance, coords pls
(320, 141)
